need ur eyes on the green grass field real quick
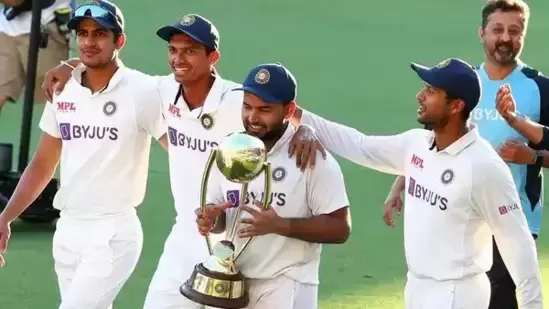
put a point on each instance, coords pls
(351, 59)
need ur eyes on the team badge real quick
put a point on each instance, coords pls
(279, 174)
(443, 64)
(207, 121)
(262, 77)
(109, 108)
(187, 20)
(447, 176)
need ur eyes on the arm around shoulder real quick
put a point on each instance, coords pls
(382, 153)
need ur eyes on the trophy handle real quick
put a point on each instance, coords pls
(265, 202)
(204, 190)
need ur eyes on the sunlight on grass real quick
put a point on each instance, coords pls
(390, 296)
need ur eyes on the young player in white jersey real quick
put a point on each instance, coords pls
(458, 193)
(99, 129)
(282, 262)
(200, 110)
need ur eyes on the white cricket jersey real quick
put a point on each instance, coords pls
(192, 135)
(455, 200)
(106, 142)
(295, 194)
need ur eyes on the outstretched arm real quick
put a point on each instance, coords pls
(383, 153)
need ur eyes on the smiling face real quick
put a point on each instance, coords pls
(435, 108)
(265, 120)
(190, 60)
(503, 30)
(97, 45)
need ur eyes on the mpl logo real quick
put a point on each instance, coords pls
(75, 131)
(174, 111)
(66, 107)
(417, 162)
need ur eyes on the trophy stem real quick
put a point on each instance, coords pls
(244, 194)
(204, 191)
(265, 202)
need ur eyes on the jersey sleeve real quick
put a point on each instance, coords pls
(151, 117)
(382, 153)
(543, 86)
(326, 191)
(48, 121)
(495, 197)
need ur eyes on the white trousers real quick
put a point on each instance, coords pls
(282, 293)
(184, 248)
(94, 258)
(467, 293)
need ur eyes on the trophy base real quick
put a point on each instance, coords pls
(215, 289)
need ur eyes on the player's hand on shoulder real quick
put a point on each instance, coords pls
(263, 221)
(393, 204)
(304, 146)
(514, 151)
(55, 80)
(505, 104)
(5, 233)
(206, 219)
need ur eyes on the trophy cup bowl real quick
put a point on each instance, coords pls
(217, 282)
(241, 157)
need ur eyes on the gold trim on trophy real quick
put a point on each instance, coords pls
(217, 282)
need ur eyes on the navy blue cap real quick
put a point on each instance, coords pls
(458, 78)
(196, 27)
(271, 82)
(103, 12)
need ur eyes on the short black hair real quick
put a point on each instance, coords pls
(492, 6)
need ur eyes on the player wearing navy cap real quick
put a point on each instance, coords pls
(459, 193)
(99, 130)
(503, 29)
(200, 109)
(282, 262)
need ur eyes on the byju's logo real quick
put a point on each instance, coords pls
(233, 196)
(276, 198)
(193, 143)
(479, 114)
(74, 131)
(420, 192)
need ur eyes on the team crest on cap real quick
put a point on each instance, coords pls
(279, 174)
(187, 20)
(262, 77)
(447, 176)
(109, 108)
(207, 121)
(443, 64)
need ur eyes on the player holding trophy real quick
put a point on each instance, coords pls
(276, 216)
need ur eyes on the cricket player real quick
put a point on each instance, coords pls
(502, 33)
(200, 109)
(282, 262)
(459, 193)
(99, 129)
